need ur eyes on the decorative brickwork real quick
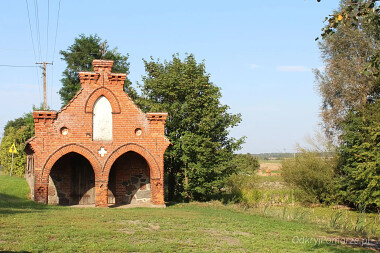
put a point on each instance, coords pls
(64, 154)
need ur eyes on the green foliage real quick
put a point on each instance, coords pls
(313, 174)
(360, 157)
(200, 158)
(79, 58)
(16, 131)
(243, 189)
(245, 164)
(345, 84)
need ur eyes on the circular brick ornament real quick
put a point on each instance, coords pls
(138, 131)
(64, 131)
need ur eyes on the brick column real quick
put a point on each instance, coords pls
(101, 193)
(157, 191)
(41, 192)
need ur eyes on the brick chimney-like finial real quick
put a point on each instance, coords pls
(102, 66)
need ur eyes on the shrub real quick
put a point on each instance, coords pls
(242, 189)
(312, 173)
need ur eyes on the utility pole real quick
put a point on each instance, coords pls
(44, 75)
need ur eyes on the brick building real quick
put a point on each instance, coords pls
(99, 149)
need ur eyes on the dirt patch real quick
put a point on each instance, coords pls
(269, 169)
(154, 226)
(126, 231)
(223, 236)
(241, 233)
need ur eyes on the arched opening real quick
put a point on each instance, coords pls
(129, 180)
(102, 120)
(72, 181)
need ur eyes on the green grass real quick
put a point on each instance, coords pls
(195, 227)
(270, 161)
(275, 178)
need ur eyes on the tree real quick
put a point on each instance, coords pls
(359, 167)
(245, 164)
(348, 44)
(199, 159)
(350, 88)
(17, 132)
(79, 58)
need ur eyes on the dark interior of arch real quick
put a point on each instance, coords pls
(72, 181)
(129, 180)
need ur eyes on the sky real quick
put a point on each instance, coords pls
(260, 53)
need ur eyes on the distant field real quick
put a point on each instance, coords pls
(270, 161)
(195, 227)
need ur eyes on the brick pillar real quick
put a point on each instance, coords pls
(101, 193)
(157, 191)
(41, 192)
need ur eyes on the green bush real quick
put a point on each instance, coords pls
(242, 189)
(245, 164)
(313, 174)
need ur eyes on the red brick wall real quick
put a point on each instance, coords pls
(49, 144)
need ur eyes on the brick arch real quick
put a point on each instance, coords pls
(57, 154)
(102, 92)
(152, 163)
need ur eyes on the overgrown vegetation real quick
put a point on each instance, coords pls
(16, 132)
(195, 227)
(312, 173)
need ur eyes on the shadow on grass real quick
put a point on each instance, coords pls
(173, 203)
(11, 205)
(369, 246)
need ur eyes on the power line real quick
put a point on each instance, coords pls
(38, 28)
(47, 29)
(17, 66)
(30, 28)
(56, 29)
(55, 43)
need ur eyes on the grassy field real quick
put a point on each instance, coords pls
(199, 227)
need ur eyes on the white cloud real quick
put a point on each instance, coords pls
(254, 66)
(293, 68)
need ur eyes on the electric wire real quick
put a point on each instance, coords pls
(47, 29)
(56, 30)
(30, 28)
(17, 66)
(55, 43)
(51, 86)
(38, 29)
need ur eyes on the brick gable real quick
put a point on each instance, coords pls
(70, 130)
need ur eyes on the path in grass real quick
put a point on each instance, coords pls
(202, 227)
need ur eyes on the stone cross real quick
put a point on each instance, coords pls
(102, 152)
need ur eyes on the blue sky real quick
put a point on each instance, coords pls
(260, 53)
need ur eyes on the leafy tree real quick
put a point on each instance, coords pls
(200, 158)
(79, 58)
(16, 131)
(350, 88)
(245, 163)
(360, 158)
(349, 42)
